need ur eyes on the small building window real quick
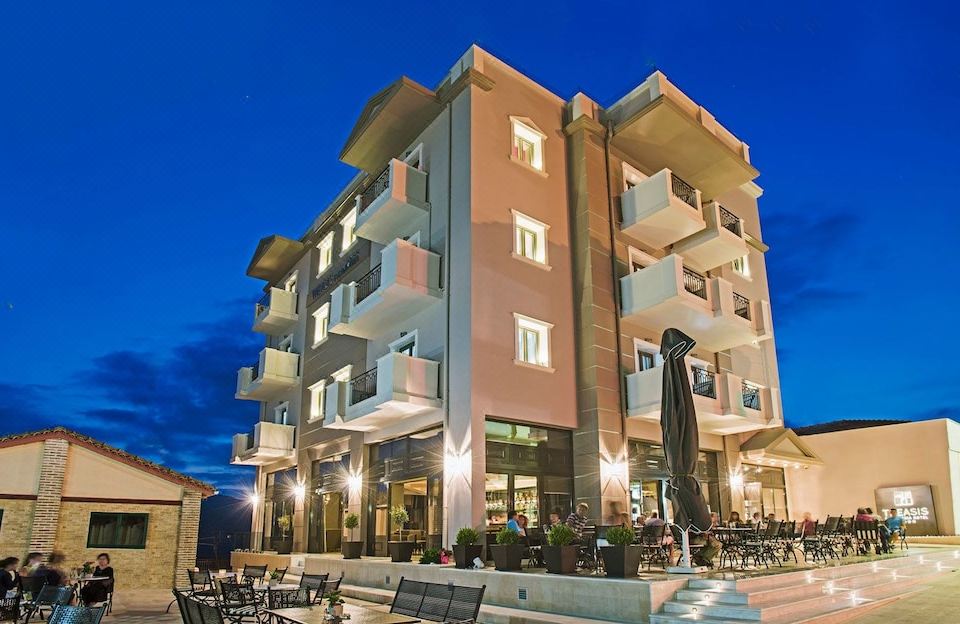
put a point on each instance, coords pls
(321, 320)
(117, 530)
(326, 253)
(533, 341)
(527, 144)
(742, 265)
(348, 223)
(318, 392)
(281, 413)
(529, 238)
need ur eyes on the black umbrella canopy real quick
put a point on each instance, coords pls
(681, 441)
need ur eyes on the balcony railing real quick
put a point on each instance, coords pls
(363, 386)
(704, 383)
(264, 304)
(694, 283)
(683, 191)
(255, 371)
(751, 396)
(368, 284)
(251, 438)
(730, 221)
(376, 189)
(741, 306)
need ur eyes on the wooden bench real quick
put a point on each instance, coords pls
(435, 602)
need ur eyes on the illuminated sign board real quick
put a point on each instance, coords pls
(914, 503)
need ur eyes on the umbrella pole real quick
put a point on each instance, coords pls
(683, 566)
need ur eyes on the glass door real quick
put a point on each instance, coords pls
(526, 499)
(496, 499)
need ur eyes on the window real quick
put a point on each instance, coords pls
(321, 319)
(285, 344)
(291, 284)
(742, 265)
(647, 355)
(405, 344)
(645, 361)
(318, 394)
(281, 413)
(326, 253)
(533, 342)
(527, 144)
(529, 238)
(348, 223)
(117, 530)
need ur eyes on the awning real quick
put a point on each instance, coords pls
(274, 256)
(778, 447)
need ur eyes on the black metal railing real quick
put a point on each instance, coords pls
(683, 190)
(751, 396)
(694, 283)
(730, 221)
(255, 371)
(263, 305)
(741, 306)
(375, 189)
(363, 386)
(704, 383)
(367, 284)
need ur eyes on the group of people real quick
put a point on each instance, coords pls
(51, 570)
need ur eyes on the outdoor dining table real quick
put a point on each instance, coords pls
(358, 615)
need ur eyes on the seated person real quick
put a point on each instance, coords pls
(53, 571)
(808, 528)
(95, 592)
(709, 545)
(9, 579)
(734, 519)
(577, 520)
(512, 523)
(553, 519)
(656, 520)
(756, 519)
(894, 523)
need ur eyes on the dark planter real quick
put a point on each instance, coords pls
(351, 550)
(560, 559)
(284, 545)
(507, 557)
(621, 561)
(400, 552)
(464, 555)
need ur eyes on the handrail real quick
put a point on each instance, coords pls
(694, 283)
(263, 304)
(751, 396)
(363, 386)
(683, 191)
(368, 284)
(704, 382)
(730, 221)
(375, 189)
(741, 306)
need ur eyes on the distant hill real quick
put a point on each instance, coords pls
(224, 525)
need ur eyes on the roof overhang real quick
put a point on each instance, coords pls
(779, 447)
(274, 256)
(389, 122)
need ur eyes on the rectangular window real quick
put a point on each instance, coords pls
(742, 265)
(527, 144)
(645, 360)
(529, 238)
(533, 341)
(326, 253)
(117, 530)
(318, 393)
(321, 319)
(281, 413)
(348, 223)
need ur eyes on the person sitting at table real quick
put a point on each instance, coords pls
(808, 528)
(756, 519)
(655, 520)
(96, 591)
(862, 515)
(625, 520)
(894, 523)
(734, 519)
(32, 564)
(53, 570)
(512, 523)
(577, 520)
(9, 579)
(522, 520)
(771, 517)
(552, 519)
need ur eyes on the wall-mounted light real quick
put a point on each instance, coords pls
(736, 480)
(299, 492)
(254, 499)
(612, 469)
(456, 464)
(354, 483)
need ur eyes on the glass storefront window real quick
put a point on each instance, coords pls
(764, 490)
(648, 476)
(496, 488)
(327, 500)
(278, 506)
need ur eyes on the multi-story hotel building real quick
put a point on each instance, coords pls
(471, 326)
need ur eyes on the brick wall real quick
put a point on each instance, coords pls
(187, 539)
(47, 509)
(151, 567)
(15, 530)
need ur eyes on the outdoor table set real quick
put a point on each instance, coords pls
(351, 613)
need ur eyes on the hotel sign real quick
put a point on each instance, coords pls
(914, 503)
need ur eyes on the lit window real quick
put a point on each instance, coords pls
(326, 253)
(742, 265)
(348, 223)
(527, 145)
(530, 238)
(533, 341)
(280, 413)
(321, 319)
(318, 393)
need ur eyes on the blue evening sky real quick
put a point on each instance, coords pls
(145, 148)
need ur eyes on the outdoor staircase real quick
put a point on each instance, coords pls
(823, 595)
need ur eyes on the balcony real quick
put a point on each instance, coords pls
(720, 242)
(657, 124)
(405, 283)
(398, 387)
(276, 312)
(661, 210)
(724, 403)
(267, 443)
(393, 205)
(273, 374)
(669, 294)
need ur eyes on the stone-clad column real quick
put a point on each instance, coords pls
(187, 536)
(46, 514)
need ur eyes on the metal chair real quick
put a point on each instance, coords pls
(287, 598)
(67, 614)
(238, 602)
(254, 574)
(10, 609)
(49, 596)
(465, 603)
(282, 572)
(315, 583)
(762, 547)
(653, 541)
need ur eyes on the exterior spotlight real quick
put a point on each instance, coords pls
(736, 480)
(455, 465)
(300, 492)
(254, 499)
(354, 483)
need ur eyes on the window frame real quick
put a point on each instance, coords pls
(318, 398)
(529, 132)
(284, 408)
(325, 249)
(522, 324)
(119, 518)
(324, 313)
(744, 270)
(541, 233)
(410, 339)
(346, 242)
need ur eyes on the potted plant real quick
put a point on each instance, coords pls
(467, 549)
(558, 554)
(285, 543)
(621, 559)
(334, 604)
(400, 551)
(507, 552)
(430, 555)
(352, 549)
(274, 579)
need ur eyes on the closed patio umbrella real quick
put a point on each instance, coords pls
(681, 441)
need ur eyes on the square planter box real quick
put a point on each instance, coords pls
(560, 559)
(464, 555)
(400, 552)
(507, 557)
(352, 550)
(621, 561)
